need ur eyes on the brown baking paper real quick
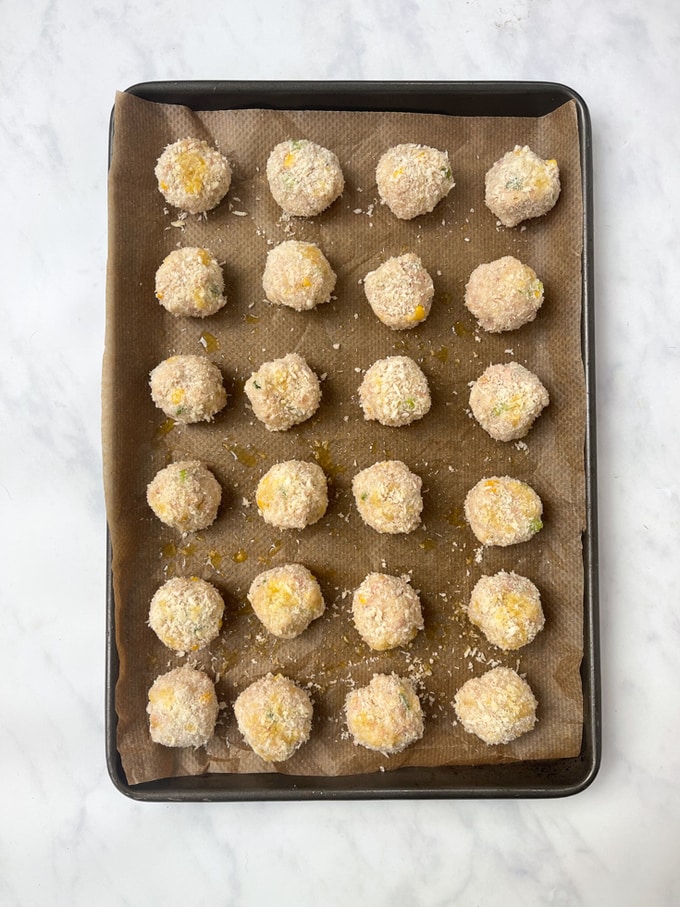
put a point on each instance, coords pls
(340, 340)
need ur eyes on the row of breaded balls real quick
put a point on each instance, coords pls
(274, 714)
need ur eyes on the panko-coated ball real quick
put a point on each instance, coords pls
(189, 282)
(497, 707)
(386, 715)
(507, 609)
(193, 176)
(506, 400)
(286, 599)
(386, 611)
(182, 708)
(413, 179)
(185, 495)
(395, 392)
(298, 275)
(188, 388)
(274, 716)
(503, 295)
(388, 497)
(400, 292)
(283, 392)
(186, 613)
(292, 494)
(521, 185)
(503, 511)
(304, 177)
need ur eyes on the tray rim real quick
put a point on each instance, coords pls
(574, 775)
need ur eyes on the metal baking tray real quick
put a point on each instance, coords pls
(533, 779)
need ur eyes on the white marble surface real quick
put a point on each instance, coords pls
(67, 837)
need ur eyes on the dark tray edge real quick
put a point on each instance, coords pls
(531, 780)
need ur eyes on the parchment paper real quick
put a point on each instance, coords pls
(340, 340)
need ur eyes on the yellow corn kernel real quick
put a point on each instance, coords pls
(418, 313)
(397, 173)
(177, 395)
(204, 257)
(289, 159)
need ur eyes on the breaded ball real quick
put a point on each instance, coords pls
(388, 497)
(182, 708)
(503, 511)
(386, 611)
(504, 294)
(304, 177)
(298, 275)
(275, 717)
(283, 392)
(506, 399)
(400, 292)
(193, 176)
(190, 283)
(386, 715)
(188, 388)
(498, 706)
(507, 609)
(186, 613)
(395, 392)
(286, 599)
(521, 185)
(413, 179)
(185, 495)
(292, 494)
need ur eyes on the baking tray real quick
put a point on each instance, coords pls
(530, 779)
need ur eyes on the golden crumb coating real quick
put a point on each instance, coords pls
(412, 179)
(286, 599)
(388, 497)
(188, 388)
(283, 392)
(292, 494)
(521, 185)
(385, 715)
(497, 707)
(400, 292)
(503, 295)
(395, 392)
(503, 511)
(186, 613)
(507, 609)
(274, 716)
(182, 708)
(185, 495)
(386, 611)
(304, 178)
(298, 275)
(189, 283)
(506, 400)
(193, 176)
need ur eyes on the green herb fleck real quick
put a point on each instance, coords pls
(514, 183)
(447, 172)
(404, 699)
(296, 144)
(182, 475)
(179, 410)
(255, 384)
(364, 495)
(536, 525)
(410, 403)
(498, 409)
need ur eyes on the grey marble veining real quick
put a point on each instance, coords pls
(67, 836)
